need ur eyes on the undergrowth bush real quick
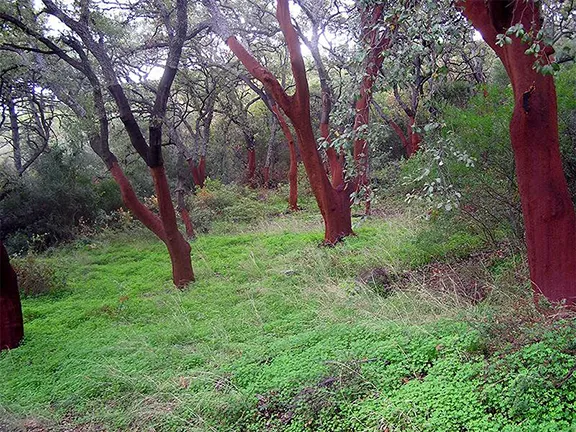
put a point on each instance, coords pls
(467, 166)
(467, 163)
(36, 277)
(233, 203)
(47, 204)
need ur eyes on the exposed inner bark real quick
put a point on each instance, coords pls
(181, 202)
(293, 170)
(195, 174)
(136, 207)
(11, 323)
(178, 247)
(415, 138)
(549, 217)
(150, 152)
(201, 171)
(334, 204)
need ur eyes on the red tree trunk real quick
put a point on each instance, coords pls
(415, 138)
(266, 176)
(178, 247)
(193, 171)
(131, 201)
(185, 216)
(400, 133)
(293, 177)
(548, 211)
(181, 207)
(334, 204)
(11, 323)
(293, 171)
(335, 160)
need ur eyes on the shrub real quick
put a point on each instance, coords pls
(468, 163)
(36, 277)
(48, 203)
(229, 203)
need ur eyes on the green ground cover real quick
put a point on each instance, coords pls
(278, 334)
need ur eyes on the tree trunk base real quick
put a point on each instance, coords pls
(11, 322)
(178, 247)
(338, 219)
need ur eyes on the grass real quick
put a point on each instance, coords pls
(277, 334)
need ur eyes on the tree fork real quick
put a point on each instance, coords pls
(334, 204)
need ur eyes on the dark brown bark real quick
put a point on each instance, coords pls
(11, 323)
(178, 247)
(15, 132)
(202, 171)
(251, 162)
(150, 152)
(548, 211)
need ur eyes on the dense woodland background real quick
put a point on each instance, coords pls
(207, 145)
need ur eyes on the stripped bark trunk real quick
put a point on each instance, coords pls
(334, 205)
(415, 138)
(11, 322)
(198, 172)
(335, 159)
(178, 247)
(201, 171)
(134, 205)
(150, 153)
(194, 172)
(293, 170)
(549, 217)
(181, 206)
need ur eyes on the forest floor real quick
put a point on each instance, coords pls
(408, 326)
